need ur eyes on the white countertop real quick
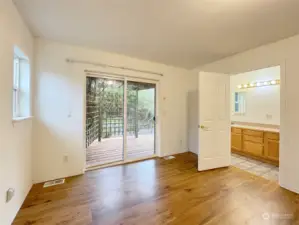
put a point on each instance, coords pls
(256, 128)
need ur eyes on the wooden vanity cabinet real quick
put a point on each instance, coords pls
(253, 142)
(271, 142)
(257, 144)
(236, 139)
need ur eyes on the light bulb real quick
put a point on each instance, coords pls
(258, 84)
(266, 83)
(240, 86)
(252, 85)
(245, 85)
(273, 82)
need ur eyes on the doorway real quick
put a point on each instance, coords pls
(120, 120)
(238, 123)
(255, 133)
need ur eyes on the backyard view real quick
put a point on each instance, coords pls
(105, 120)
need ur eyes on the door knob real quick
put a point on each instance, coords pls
(202, 126)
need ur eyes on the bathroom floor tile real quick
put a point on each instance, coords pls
(235, 160)
(258, 168)
(244, 165)
(272, 175)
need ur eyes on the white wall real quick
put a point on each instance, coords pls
(260, 101)
(193, 121)
(60, 92)
(15, 140)
(286, 54)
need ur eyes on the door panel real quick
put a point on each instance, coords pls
(104, 121)
(272, 146)
(253, 148)
(273, 149)
(236, 141)
(214, 119)
(120, 120)
(140, 120)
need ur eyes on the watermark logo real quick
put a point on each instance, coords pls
(273, 216)
(277, 216)
(266, 216)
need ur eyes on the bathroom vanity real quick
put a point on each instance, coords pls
(260, 143)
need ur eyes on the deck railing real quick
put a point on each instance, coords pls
(113, 127)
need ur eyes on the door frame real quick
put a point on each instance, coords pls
(157, 136)
(283, 109)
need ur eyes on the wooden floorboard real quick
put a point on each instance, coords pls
(159, 191)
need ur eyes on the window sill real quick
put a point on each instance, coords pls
(19, 119)
(238, 114)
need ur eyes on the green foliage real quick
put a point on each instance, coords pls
(108, 98)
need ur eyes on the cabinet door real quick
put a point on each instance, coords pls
(236, 140)
(253, 148)
(271, 147)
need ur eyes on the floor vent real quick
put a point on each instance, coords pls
(169, 157)
(54, 182)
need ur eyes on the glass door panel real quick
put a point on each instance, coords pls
(140, 120)
(104, 121)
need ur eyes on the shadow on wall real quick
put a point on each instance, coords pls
(58, 128)
(193, 121)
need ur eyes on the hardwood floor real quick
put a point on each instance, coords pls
(161, 191)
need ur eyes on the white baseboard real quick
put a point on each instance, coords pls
(295, 190)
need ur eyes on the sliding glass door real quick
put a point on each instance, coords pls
(104, 121)
(140, 120)
(110, 135)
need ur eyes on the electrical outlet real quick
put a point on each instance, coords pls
(269, 116)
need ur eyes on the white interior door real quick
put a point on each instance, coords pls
(214, 121)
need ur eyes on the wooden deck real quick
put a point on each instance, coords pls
(111, 149)
(161, 192)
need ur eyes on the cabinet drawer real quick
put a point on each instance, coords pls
(273, 136)
(253, 148)
(253, 139)
(236, 130)
(255, 133)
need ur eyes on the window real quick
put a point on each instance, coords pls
(239, 103)
(21, 85)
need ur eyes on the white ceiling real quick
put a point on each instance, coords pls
(184, 33)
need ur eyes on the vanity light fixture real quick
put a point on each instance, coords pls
(259, 84)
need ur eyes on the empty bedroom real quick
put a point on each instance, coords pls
(149, 112)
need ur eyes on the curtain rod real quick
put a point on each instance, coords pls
(95, 72)
(69, 60)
